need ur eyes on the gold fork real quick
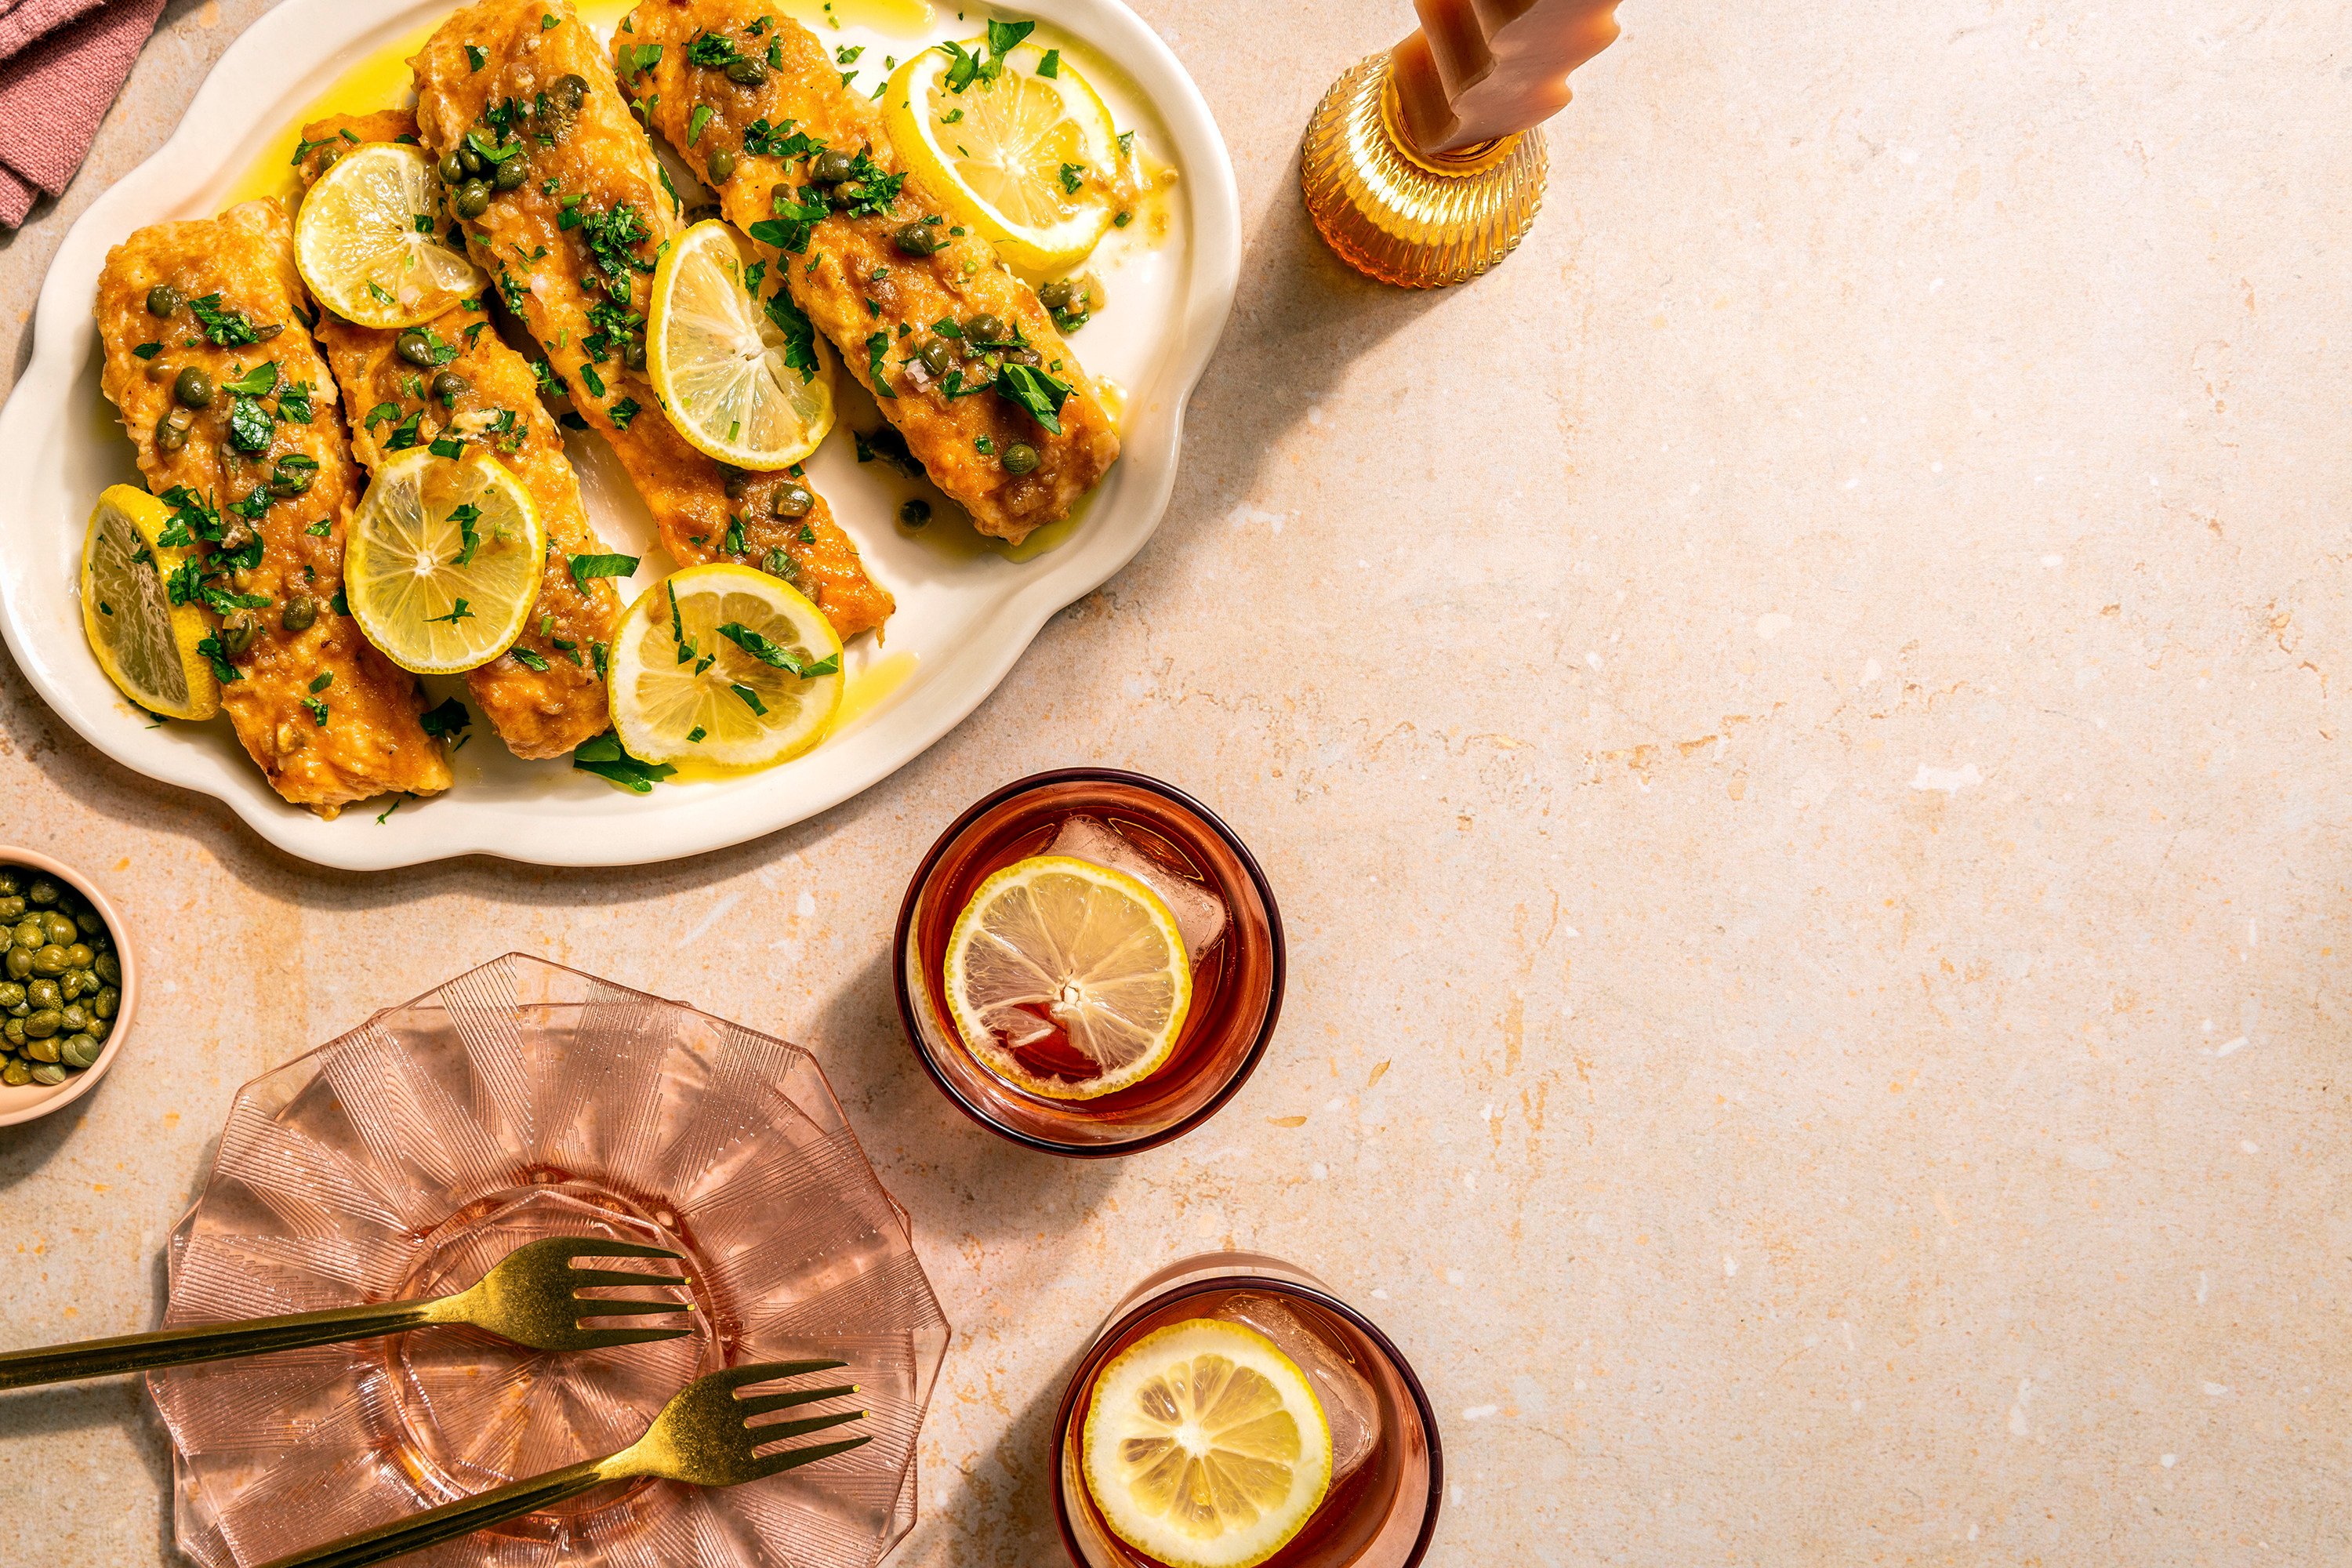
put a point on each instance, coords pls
(703, 1437)
(531, 1299)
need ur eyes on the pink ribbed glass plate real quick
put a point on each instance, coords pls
(519, 1100)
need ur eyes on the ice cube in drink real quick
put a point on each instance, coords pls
(1199, 915)
(1349, 1401)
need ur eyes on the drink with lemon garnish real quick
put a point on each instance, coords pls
(1089, 962)
(1234, 1413)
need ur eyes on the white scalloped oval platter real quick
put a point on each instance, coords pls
(967, 607)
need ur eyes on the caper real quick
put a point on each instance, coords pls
(48, 1074)
(633, 353)
(1055, 296)
(468, 159)
(918, 239)
(736, 483)
(108, 968)
(43, 893)
(12, 908)
(163, 299)
(100, 1027)
(30, 933)
(571, 91)
(41, 1025)
(934, 355)
(1024, 356)
(848, 194)
(285, 481)
(172, 430)
(87, 922)
(11, 994)
(42, 993)
(77, 956)
(238, 636)
(721, 165)
(49, 960)
(1019, 458)
(831, 166)
(300, 614)
(18, 961)
(746, 70)
(451, 168)
(78, 1050)
(473, 199)
(449, 386)
(192, 387)
(983, 328)
(414, 347)
(11, 885)
(13, 1031)
(237, 537)
(15, 1075)
(73, 1017)
(915, 512)
(510, 174)
(792, 501)
(107, 1000)
(71, 987)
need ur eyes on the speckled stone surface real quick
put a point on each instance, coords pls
(1797, 721)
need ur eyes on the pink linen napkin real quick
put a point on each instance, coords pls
(71, 60)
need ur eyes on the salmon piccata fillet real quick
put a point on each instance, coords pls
(573, 246)
(877, 304)
(546, 694)
(262, 481)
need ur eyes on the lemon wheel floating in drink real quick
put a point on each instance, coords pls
(723, 667)
(366, 244)
(744, 378)
(1054, 943)
(1030, 160)
(1205, 1445)
(146, 644)
(442, 560)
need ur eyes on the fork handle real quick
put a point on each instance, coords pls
(209, 1341)
(452, 1520)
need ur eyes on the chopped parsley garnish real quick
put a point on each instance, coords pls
(378, 414)
(147, 350)
(249, 424)
(712, 50)
(620, 412)
(1073, 176)
(457, 612)
(225, 329)
(447, 722)
(762, 141)
(528, 659)
(1051, 65)
(223, 670)
(476, 58)
(1041, 393)
(404, 434)
(446, 447)
(465, 516)
(800, 337)
(775, 656)
(751, 698)
(584, 567)
(699, 122)
(877, 349)
(294, 402)
(595, 382)
(319, 529)
(795, 219)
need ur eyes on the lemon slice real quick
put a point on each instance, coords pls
(1030, 161)
(442, 560)
(365, 241)
(146, 644)
(746, 380)
(724, 667)
(1091, 949)
(1205, 1446)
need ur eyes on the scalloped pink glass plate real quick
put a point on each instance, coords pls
(519, 1100)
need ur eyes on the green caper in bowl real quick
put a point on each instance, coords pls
(66, 984)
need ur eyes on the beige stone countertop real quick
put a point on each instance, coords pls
(1801, 721)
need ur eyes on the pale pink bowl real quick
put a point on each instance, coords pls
(36, 1100)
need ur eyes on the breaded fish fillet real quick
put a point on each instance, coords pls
(263, 479)
(573, 246)
(544, 695)
(876, 303)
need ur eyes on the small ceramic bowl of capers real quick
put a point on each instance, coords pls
(67, 985)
